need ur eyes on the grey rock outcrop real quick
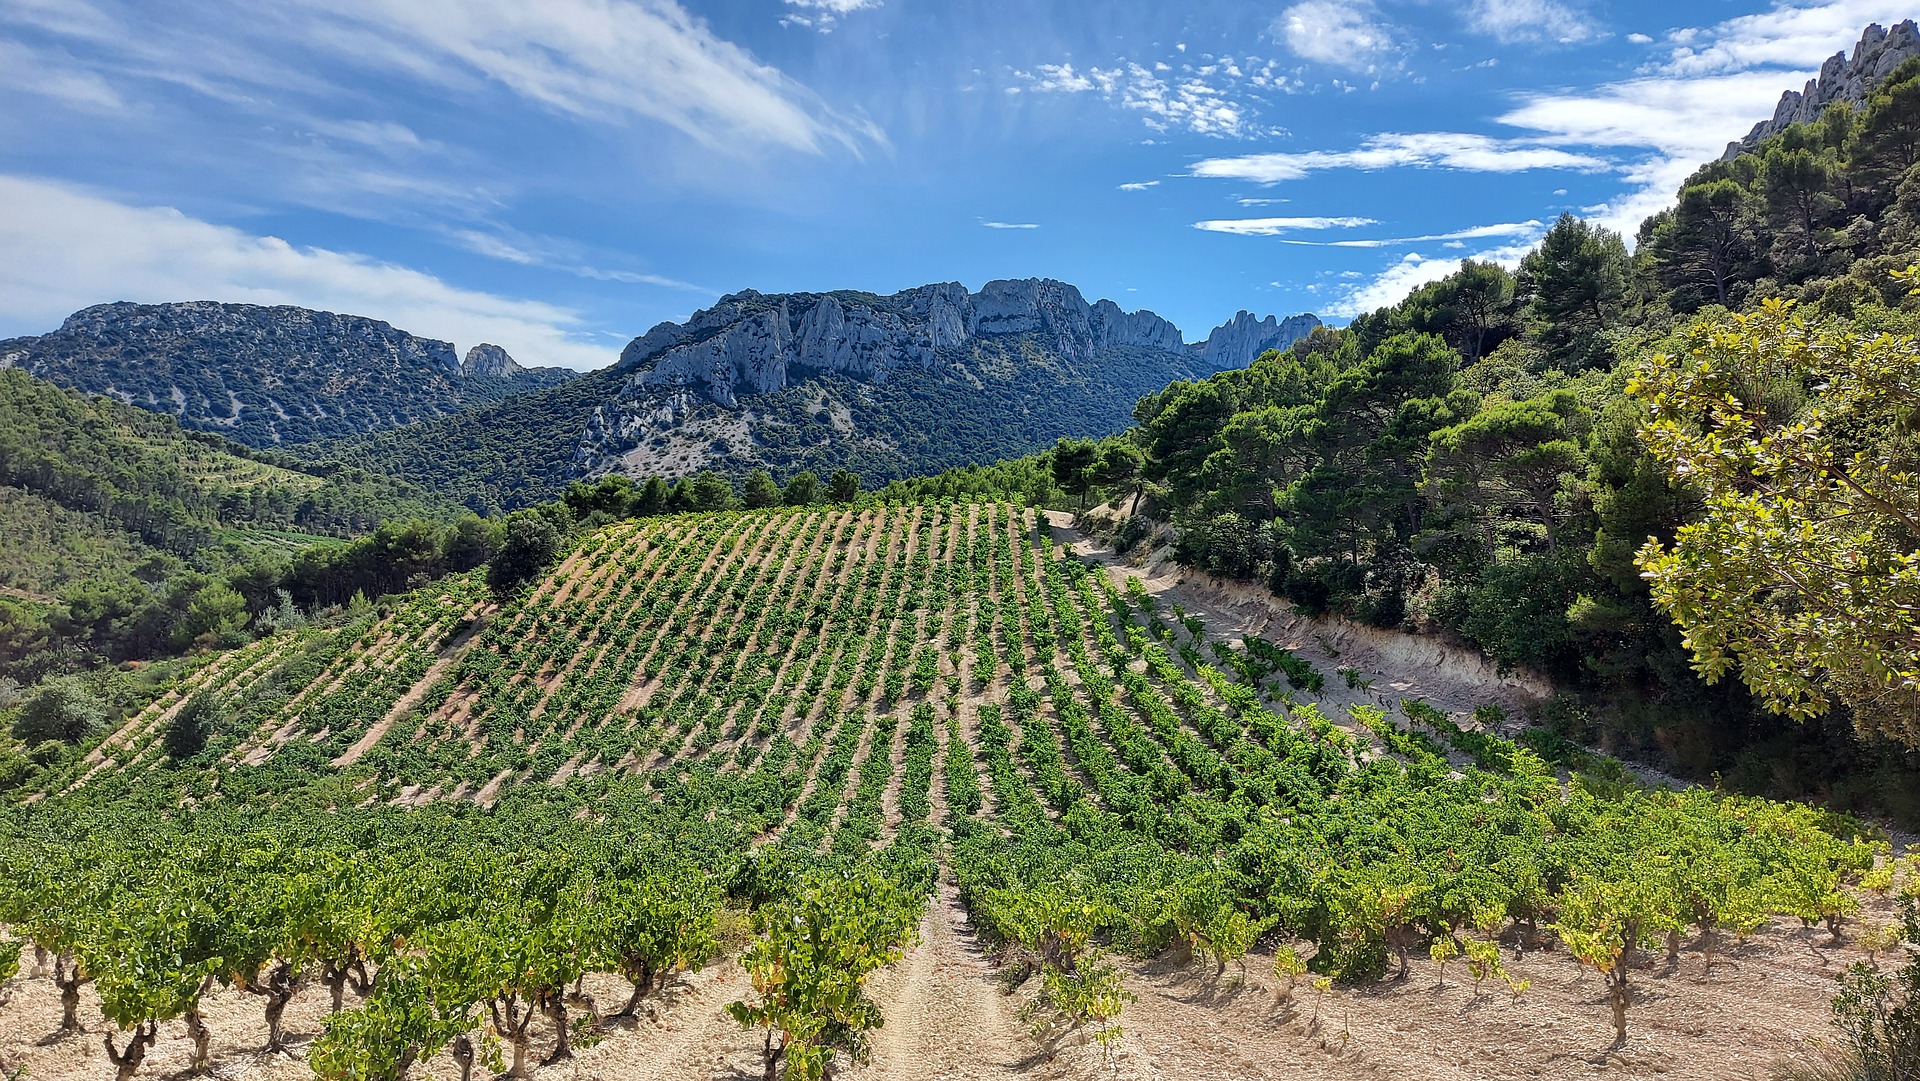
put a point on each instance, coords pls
(489, 361)
(749, 342)
(1841, 78)
(1235, 343)
(267, 376)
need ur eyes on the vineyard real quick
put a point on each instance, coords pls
(734, 766)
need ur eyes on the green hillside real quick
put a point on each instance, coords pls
(116, 520)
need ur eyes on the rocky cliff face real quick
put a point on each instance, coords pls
(1842, 78)
(267, 376)
(748, 343)
(487, 361)
(772, 380)
(1235, 343)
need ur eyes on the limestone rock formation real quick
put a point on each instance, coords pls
(1010, 363)
(748, 342)
(1235, 343)
(267, 376)
(1842, 78)
(489, 361)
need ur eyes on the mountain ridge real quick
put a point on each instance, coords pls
(729, 365)
(1842, 78)
(267, 375)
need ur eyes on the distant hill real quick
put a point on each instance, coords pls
(268, 376)
(891, 386)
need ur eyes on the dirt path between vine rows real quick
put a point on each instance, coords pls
(946, 1014)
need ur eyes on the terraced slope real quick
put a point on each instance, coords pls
(833, 652)
(1056, 764)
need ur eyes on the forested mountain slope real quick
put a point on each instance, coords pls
(116, 521)
(1471, 460)
(268, 376)
(887, 386)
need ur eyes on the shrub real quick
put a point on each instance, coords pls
(60, 709)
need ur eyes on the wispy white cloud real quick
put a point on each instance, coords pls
(609, 60)
(62, 249)
(1345, 33)
(554, 254)
(1214, 96)
(823, 15)
(1009, 224)
(56, 75)
(1513, 22)
(1277, 226)
(1530, 230)
(1443, 150)
(1682, 114)
(1790, 35)
(1139, 185)
(605, 62)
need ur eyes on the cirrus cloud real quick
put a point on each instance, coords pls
(1441, 150)
(1277, 226)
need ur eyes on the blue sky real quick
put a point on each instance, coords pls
(556, 177)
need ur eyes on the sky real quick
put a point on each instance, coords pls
(557, 177)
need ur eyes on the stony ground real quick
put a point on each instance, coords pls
(949, 1014)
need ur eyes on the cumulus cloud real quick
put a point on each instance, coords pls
(1277, 226)
(1444, 150)
(1139, 185)
(62, 249)
(1513, 22)
(1209, 96)
(1410, 272)
(1349, 34)
(1790, 36)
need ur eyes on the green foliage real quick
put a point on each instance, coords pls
(63, 709)
(1803, 568)
(529, 546)
(803, 489)
(810, 965)
(192, 725)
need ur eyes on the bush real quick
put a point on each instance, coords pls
(192, 725)
(1878, 1017)
(60, 709)
(531, 543)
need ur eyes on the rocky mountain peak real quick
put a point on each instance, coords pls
(491, 361)
(1841, 78)
(748, 342)
(266, 375)
(1235, 343)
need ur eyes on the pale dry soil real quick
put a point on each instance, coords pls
(948, 1015)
